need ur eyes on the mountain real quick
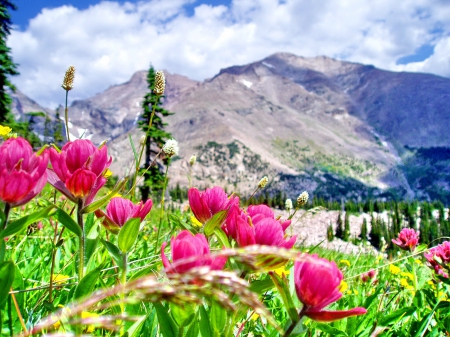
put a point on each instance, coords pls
(335, 128)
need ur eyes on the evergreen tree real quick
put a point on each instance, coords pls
(156, 137)
(58, 137)
(364, 230)
(47, 130)
(346, 235)
(339, 227)
(7, 66)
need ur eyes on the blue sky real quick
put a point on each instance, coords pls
(108, 41)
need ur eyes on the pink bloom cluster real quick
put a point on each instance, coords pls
(317, 284)
(120, 210)
(78, 170)
(209, 202)
(190, 251)
(367, 276)
(442, 253)
(407, 239)
(22, 172)
(257, 226)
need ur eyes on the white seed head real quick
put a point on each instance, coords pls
(288, 204)
(263, 182)
(68, 78)
(160, 83)
(302, 198)
(142, 140)
(170, 148)
(192, 160)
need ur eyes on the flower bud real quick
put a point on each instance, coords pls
(160, 83)
(170, 148)
(192, 160)
(302, 198)
(288, 204)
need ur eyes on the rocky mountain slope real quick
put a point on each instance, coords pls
(337, 129)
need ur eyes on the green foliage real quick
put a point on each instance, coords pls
(156, 137)
(7, 66)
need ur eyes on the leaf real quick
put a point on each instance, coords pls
(218, 317)
(283, 289)
(330, 330)
(397, 315)
(135, 329)
(128, 234)
(87, 283)
(7, 271)
(114, 252)
(181, 224)
(193, 328)
(215, 221)
(103, 201)
(145, 271)
(222, 237)
(261, 286)
(67, 221)
(205, 326)
(182, 313)
(167, 326)
(17, 225)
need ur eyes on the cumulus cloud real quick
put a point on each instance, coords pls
(109, 41)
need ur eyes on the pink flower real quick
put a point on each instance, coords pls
(209, 202)
(442, 253)
(367, 276)
(258, 227)
(22, 172)
(194, 249)
(317, 284)
(78, 171)
(407, 239)
(120, 210)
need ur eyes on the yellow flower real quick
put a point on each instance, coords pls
(408, 275)
(4, 130)
(87, 315)
(59, 278)
(394, 269)
(282, 270)
(108, 173)
(343, 286)
(195, 222)
(254, 317)
(346, 262)
(355, 292)
(404, 283)
(419, 262)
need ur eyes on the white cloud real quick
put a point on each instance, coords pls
(109, 41)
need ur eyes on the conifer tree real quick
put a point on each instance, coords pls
(156, 137)
(7, 66)
(364, 230)
(346, 234)
(339, 227)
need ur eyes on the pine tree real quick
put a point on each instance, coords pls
(7, 66)
(364, 231)
(346, 234)
(339, 227)
(156, 137)
(58, 137)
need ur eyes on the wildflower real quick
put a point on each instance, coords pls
(59, 278)
(209, 202)
(438, 256)
(192, 160)
(282, 271)
(263, 182)
(170, 148)
(394, 269)
(142, 140)
(22, 172)
(368, 275)
(288, 204)
(343, 286)
(404, 283)
(4, 130)
(160, 83)
(407, 275)
(195, 249)
(257, 226)
(317, 283)
(302, 199)
(407, 239)
(68, 78)
(120, 210)
(78, 170)
(195, 222)
(346, 262)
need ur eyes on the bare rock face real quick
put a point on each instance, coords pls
(337, 129)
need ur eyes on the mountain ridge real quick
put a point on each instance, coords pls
(304, 121)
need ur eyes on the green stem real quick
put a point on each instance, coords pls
(138, 163)
(293, 325)
(7, 209)
(161, 215)
(123, 281)
(82, 239)
(66, 114)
